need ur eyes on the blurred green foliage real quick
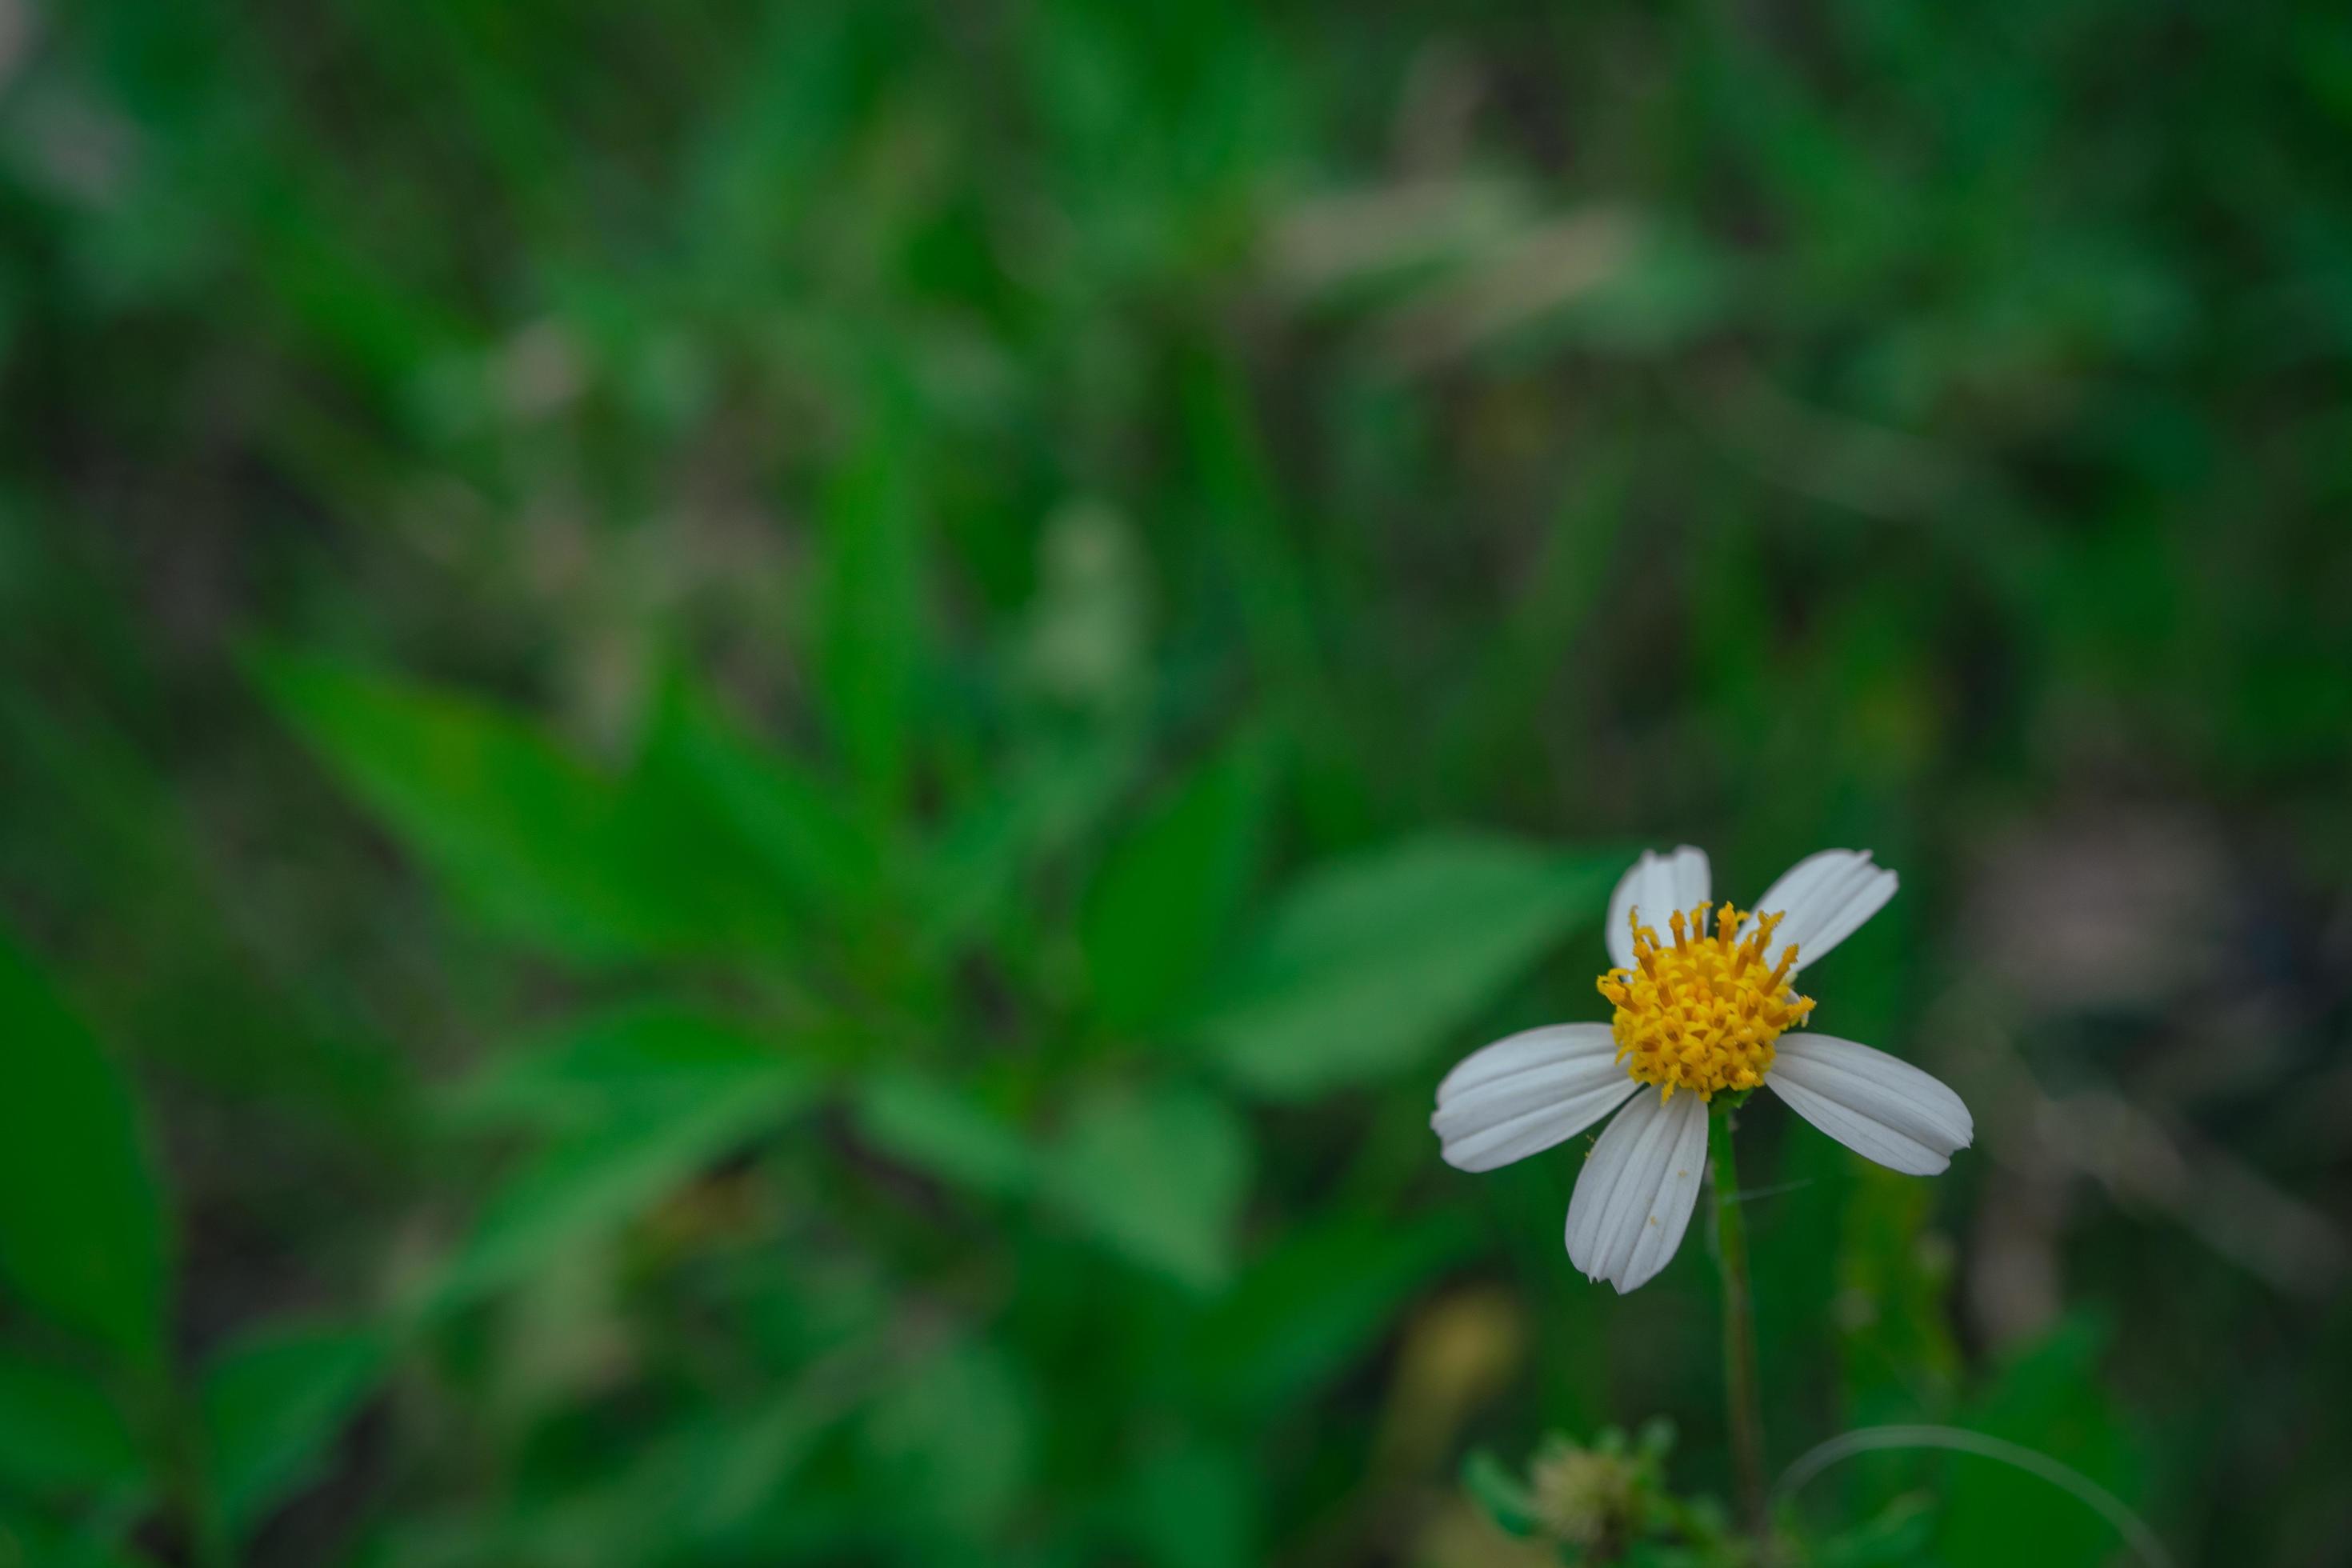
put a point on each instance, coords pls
(757, 758)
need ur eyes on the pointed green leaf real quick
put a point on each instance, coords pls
(516, 826)
(1040, 804)
(870, 611)
(60, 1432)
(816, 852)
(1158, 1175)
(940, 1128)
(83, 1236)
(1371, 963)
(609, 1066)
(539, 843)
(954, 1438)
(274, 1406)
(1502, 1496)
(648, 1101)
(28, 1540)
(1168, 895)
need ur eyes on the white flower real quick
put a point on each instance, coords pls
(1703, 1014)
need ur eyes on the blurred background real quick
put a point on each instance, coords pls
(756, 759)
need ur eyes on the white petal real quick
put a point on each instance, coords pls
(1525, 1093)
(1880, 1108)
(1658, 885)
(1634, 1199)
(1823, 900)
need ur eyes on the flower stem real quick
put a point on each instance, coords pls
(1741, 1401)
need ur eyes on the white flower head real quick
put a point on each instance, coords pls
(1705, 1013)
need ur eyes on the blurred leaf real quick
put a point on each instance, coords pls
(113, 823)
(1369, 963)
(698, 884)
(60, 1432)
(28, 1541)
(545, 847)
(1160, 1176)
(954, 1440)
(939, 1128)
(1196, 1507)
(1896, 1348)
(1899, 1534)
(738, 1465)
(1316, 1303)
(83, 1236)
(520, 829)
(700, 1491)
(274, 1406)
(819, 854)
(610, 1067)
(589, 1183)
(1502, 1496)
(1167, 896)
(870, 612)
(674, 1093)
(2047, 1397)
(1241, 496)
(1039, 807)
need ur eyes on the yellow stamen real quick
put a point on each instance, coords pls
(1702, 1014)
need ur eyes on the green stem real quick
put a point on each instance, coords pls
(1742, 1402)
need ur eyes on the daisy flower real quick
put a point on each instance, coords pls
(1699, 1013)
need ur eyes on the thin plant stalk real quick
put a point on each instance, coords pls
(1743, 1403)
(2032, 1461)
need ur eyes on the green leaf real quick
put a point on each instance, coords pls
(693, 881)
(608, 1067)
(870, 610)
(706, 847)
(1502, 1496)
(737, 1463)
(1168, 895)
(954, 1440)
(940, 1129)
(642, 1100)
(1372, 963)
(587, 1183)
(1315, 1304)
(1898, 1358)
(521, 831)
(701, 1487)
(274, 1406)
(1160, 1176)
(29, 1541)
(2047, 1397)
(1196, 1507)
(83, 1236)
(1897, 1534)
(817, 854)
(1041, 804)
(60, 1432)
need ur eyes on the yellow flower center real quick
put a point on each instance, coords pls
(1702, 1014)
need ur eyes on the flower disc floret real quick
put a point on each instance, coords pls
(1701, 1014)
